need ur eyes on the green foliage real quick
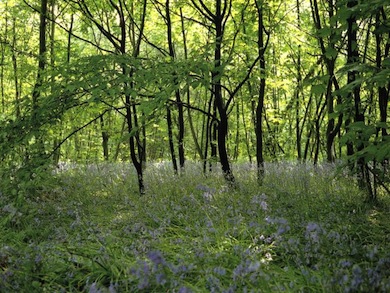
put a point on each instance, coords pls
(91, 70)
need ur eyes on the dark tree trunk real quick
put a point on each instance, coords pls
(39, 147)
(190, 121)
(105, 138)
(132, 145)
(217, 87)
(137, 151)
(170, 139)
(330, 62)
(353, 57)
(383, 93)
(16, 74)
(261, 47)
(298, 91)
(42, 52)
(179, 103)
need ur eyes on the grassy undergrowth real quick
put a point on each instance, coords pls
(304, 230)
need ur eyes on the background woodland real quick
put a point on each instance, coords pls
(213, 81)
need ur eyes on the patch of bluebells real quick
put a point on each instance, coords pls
(258, 239)
(366, 276)
(157, 272)
(97, 288)
(207, 192)
(281, 224)
(261, 201)
(351, 270)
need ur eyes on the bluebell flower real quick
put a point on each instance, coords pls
(112, 288)
(313, 231)
(219, 271)
(357, 277)
(184, 290)
(345, 263)
(161, 279)
(38, 259)
(143, 283)
(94, 288)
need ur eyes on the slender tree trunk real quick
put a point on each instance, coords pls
(15, 68)
(216, 77)
(218, 19)
(105, 138)
(246, 132)
(206, 134)
(237, 138)
(39, 148)
(170, 139)
(188, 94)
(261, 47)
(41, 55)
(213, 130)
(298, 90)
(354, 95)
(131, 110)
(330, 61)
(2, 61)
(56, 141)
(179, 103)
(383, 93)
(118, 146)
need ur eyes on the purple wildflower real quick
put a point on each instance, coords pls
(160, 279)
(94, 288)
(38, 259)
(113, 288)
(184, 290)
(156, 257)
(261, 201)
(313, 231)
(220, 271)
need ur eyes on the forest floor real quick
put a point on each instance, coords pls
(306, 229)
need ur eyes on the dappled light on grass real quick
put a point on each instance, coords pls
(303, 230)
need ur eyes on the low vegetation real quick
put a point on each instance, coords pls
(305, 230)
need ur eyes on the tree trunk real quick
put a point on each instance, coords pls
(298, 90)
(179, 103)
(330, 62)
(2, 61)
(261, 47)
(41, 55)
(354, 95)
(217, 86)
(39, 148)
(170, 139)
(15, 68)
(383, 93)
(105, 138)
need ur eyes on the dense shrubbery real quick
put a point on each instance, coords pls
(305, 229)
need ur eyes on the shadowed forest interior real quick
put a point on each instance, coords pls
(138, 81)
(237, 88)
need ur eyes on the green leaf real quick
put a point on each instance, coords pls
(324, 32)
(318, 89)
(331, 53)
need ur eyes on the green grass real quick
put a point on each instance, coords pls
(304, 230)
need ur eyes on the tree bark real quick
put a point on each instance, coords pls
(383, 93)
(180, 119)
(170, 139)
(218, 20)
(298, 91)
(105, 138)
(261, 47)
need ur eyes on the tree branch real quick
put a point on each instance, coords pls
(75, 131)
